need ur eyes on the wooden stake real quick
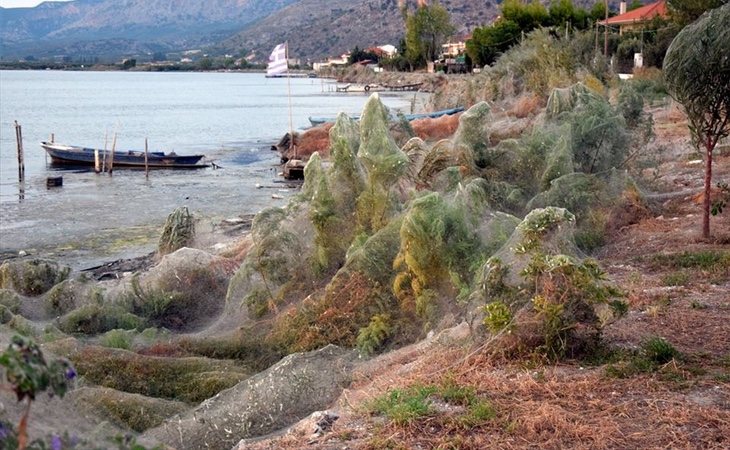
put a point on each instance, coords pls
(97, 163)
(103, 160)
(111, 155)
(21, 157)
(146, 167)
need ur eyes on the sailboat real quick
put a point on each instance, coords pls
(277, 67)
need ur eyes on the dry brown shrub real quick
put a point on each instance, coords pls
(430, 129)
(647, 73)
(525, 105)
(630, 210)
(315, 139)
(334, 318)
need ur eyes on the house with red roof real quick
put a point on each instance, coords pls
(637, 18)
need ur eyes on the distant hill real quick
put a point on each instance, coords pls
(313, 28)
(125, 26)
(318, 28)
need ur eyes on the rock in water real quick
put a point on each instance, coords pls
(178, 232)
(276, 398)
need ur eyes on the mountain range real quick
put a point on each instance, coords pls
(110, 29)
(122, 27)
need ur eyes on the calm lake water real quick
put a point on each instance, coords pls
(232, 118)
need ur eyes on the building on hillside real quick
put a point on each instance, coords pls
(453, 56)
(453, 49)
(341, 61)
(389, 50)
(637, 18)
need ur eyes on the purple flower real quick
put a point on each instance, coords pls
(70, 373)
(56, 443)
(3, 431)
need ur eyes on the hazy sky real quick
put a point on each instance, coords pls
(21, 3)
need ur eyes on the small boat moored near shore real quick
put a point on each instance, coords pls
(70, 155)
(432, 115)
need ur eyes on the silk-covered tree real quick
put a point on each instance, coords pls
(697, 75)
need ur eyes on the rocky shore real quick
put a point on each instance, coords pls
(426, 254)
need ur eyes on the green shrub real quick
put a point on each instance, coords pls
(704, 260)
(658, 350)
(372, 338)
(404, 406)
(10, 300)
(652, 354)
(94, 319)
(498, 316)
(117, 339)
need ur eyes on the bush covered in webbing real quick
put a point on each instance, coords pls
(441, 242)
(599, 140)
(471, 140)
(565, 99)
(539, 289)
(359, 291)
(384, 164)
(539, 64)
(281, 255)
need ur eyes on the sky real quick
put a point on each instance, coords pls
(22, 3)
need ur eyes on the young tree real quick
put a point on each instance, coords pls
(426, 30)
(697, 75)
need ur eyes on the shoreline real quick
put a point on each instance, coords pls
(93, 220)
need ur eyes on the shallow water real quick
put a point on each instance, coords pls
(232, 118)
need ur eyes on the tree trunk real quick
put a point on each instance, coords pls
(708, 186)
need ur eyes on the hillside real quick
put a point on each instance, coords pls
(314, 28)
(319, 28)
(54, 28)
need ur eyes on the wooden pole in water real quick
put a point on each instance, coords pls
(97, 163)
(111, 155)
(146, 167)
(21, 157)
(103, 159)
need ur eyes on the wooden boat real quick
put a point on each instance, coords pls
(409, 117)
(71, 155)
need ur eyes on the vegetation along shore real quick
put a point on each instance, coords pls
(549, 268)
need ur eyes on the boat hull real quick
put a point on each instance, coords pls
(409, 117)
(68, 155)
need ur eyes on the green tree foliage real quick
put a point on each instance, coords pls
(597, 11)
(205, 64)
(518, 18)
(563, 11)
(697, 74)
(526, 16)
(359, 54)
(426, 30)
(28, 374)
(685, 12)
(487, 43)
(635, 4)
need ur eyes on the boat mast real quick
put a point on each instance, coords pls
(288, 85)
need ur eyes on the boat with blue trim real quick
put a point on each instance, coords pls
(71, 155)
